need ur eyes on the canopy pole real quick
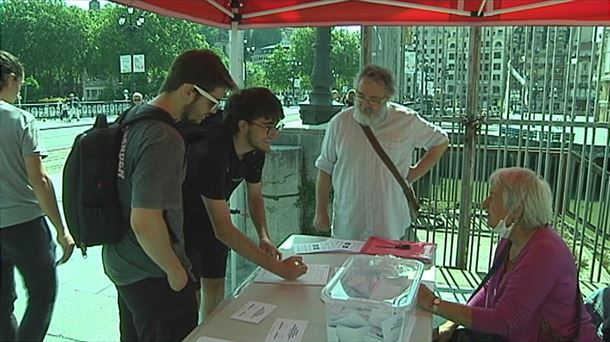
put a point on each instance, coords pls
(238, 199)
(471, 122)
(236, 56)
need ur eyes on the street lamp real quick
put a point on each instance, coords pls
(248, 53)
(295, 81)
(131, 21)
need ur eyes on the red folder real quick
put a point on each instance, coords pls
(422, 251)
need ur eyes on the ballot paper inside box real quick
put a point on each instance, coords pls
(372, 298)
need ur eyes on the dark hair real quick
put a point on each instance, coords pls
(9, 64)
(201, 67)
(251, 104)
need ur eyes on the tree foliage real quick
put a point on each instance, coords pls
(52, 41)
(63, 46)
(60, 45)
(160, 39)
(345, 55)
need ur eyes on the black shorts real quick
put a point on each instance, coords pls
(209, 258)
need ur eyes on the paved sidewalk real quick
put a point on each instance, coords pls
(86, 308)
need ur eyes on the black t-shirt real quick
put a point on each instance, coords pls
(214, 171)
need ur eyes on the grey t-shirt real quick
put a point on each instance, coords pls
(18, 140)
(150, 176)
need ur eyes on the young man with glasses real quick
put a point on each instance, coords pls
(217, 164)
(367, 198)
(149, 265)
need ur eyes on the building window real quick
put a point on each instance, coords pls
(497, 54)
(495, 77)
(497, 66)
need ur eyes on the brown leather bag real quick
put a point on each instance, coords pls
(407, 189)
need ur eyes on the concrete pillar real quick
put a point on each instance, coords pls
(282, 178)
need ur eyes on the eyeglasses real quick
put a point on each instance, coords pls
(208, 96)
(137, 100)
(277, 127)
(372, 100)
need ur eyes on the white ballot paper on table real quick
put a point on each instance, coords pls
(286, 330)
(253, 312)
(329, 245)
(316, 275)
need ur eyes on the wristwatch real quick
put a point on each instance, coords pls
(435, 303)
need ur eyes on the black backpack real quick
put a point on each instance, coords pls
(90, 195)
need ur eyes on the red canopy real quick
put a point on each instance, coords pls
(287, 13)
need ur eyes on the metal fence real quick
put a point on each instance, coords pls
(85, 108)
(542, 104)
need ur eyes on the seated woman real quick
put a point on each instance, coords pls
(533, 294)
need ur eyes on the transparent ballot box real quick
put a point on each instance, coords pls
(372, 298)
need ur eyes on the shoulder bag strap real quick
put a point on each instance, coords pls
(404, 184)
(499, 261)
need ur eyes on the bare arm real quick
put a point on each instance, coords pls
(457, 313)
(225, 231)
(430, 158)
(323, 186)
(45, 194)
(152, 234)
(256, 205)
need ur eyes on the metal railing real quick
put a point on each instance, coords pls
(54, 110)
(547, 111)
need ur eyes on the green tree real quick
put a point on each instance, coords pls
(51, 39)
(279, 68)
(159, 38)
(301, 44)
(345, 55)
(63, 46)
(256, 76)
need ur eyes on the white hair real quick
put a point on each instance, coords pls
(523, 186)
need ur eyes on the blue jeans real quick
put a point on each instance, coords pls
(29, 247)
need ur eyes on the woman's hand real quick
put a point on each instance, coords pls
(425, 297)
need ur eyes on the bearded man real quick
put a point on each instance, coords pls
(368, 200)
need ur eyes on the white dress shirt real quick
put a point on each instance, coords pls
(367, 198)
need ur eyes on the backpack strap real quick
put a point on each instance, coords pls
(154, 113)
